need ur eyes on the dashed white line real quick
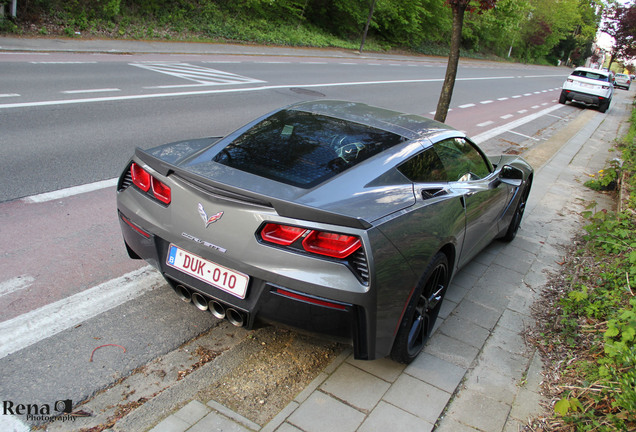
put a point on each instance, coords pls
(506, 117)
(467, 105)
(480, 138)
(486, 123)
(522, 111)
(535, 106)
(516, 96)
(104, 90)
(9, 95)
(502, 99)
(486, 102)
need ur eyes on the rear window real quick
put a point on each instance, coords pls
(591, 75)
(303, 149)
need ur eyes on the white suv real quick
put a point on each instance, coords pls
(588, 86)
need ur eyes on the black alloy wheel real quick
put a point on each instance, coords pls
(516, 218)
(421, 313)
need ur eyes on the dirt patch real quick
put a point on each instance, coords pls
(263, 385)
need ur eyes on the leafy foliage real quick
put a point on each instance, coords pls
(421, 25)
(593, 321)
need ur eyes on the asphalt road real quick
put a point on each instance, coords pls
(70, 119)
(66, 284)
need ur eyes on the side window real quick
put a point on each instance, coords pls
(462, 160)
(425, 167)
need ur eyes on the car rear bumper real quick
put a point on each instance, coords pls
(586, 98)
(268, 300)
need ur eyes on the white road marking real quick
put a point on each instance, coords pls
(103, 90)
(525, 136)
(65, 62)
(486, 102)
(486, 123)
(9, 95)
(67, 192)
(201, 75)
(512, 125)
(470, 105)
(506, 117)
(16, 284)
(29, 328)
(224, 91)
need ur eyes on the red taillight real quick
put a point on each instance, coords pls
(144, 181)
(319, 242)
(140, 177)
(161, 191)
(331, 244)
(281, 234)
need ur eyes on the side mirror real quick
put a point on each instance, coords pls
(511, 176)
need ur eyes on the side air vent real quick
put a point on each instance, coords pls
(360, 265)
(125, 181)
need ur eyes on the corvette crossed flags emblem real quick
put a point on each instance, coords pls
(208, 220)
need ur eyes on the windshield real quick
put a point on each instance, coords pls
(304, 149)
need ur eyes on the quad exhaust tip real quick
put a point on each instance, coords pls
(199, 301)
(183, 293)
(218, 309)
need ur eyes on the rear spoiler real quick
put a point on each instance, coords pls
(282, 207)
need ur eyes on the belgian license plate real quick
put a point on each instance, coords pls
(214, 274)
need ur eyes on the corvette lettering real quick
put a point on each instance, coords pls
(204, 243)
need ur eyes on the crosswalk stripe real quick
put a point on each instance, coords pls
(199, 74)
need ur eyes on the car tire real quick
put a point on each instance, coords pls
(562, 98)
(604, 106)
(422, 311)
(515, 223)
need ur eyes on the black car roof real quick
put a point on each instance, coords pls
(407, 125)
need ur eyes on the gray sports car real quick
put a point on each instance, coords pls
(329, 216)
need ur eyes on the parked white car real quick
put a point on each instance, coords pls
(592, 87)
(622, 80)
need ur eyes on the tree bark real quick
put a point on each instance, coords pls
(366, 27)
(453, 60)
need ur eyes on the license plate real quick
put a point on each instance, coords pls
(214, 274)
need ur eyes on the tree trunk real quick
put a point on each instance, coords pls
(366, 27)
(453, 60)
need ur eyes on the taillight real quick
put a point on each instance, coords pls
(161, 191)
(281, 234)
(140, 177)
(331, 244)
(144, 181)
